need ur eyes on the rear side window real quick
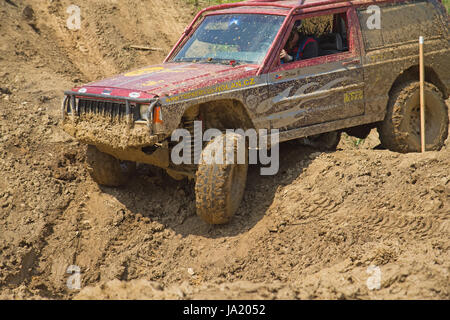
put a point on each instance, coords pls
(400, 22)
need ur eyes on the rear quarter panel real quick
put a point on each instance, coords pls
(394, 48)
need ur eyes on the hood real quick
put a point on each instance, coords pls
(168, 79)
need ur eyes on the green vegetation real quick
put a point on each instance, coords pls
(447, 5)
(207, 3)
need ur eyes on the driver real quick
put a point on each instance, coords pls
(299, 46)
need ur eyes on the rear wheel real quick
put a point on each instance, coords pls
(107, 170)
(220, 186)
(400, 130)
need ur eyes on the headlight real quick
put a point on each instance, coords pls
(143, 109)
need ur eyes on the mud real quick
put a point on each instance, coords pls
(94, 129)
(311, 232)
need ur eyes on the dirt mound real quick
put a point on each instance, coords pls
(36, 34)
(329, 225)
(316, 230)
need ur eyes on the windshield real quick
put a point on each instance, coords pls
(242, 38)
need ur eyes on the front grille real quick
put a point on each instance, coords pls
(116, 108)
(108, 109)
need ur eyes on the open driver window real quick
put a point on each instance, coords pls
(328, 33)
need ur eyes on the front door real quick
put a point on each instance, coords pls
(319, 89)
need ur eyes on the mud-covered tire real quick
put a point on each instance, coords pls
(327, 141)
(219, 188)
(400, 130)
(107, 170)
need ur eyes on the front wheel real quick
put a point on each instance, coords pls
(220, 184)
(400, 130)
(107, 170)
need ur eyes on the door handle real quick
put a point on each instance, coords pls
(354, 61)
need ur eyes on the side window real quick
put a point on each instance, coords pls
(317, 36)
(400, 22)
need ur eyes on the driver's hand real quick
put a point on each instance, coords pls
(284, 56)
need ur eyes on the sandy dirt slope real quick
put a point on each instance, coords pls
(312, 231)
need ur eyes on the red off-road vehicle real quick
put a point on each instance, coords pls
(226, 71)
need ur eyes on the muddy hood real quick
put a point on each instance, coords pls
(168, 79)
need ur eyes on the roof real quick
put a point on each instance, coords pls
(309, 3)
(290, 3)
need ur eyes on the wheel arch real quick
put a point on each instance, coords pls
(412, 73)
(222, 114)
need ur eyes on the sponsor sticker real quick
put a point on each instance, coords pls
(353, 96)
(217, 89)
(143, 71)
(107, 92)
(134, 95)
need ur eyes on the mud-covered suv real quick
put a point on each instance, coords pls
(226, 72)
